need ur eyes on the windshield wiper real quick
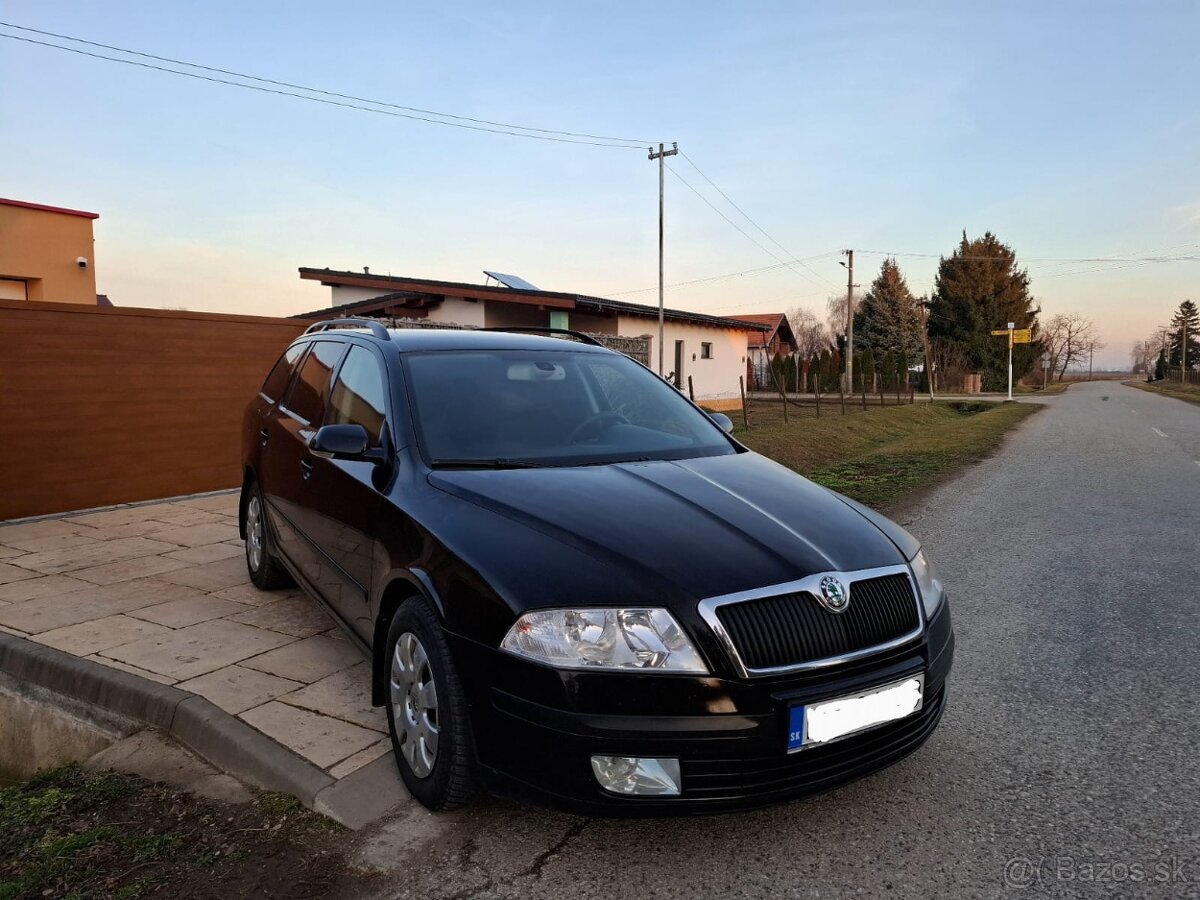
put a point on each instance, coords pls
(495, 463)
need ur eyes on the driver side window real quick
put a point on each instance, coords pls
(359, 397)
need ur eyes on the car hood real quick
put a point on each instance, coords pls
(704, 527)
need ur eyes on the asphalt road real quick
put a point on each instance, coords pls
(1068, 761)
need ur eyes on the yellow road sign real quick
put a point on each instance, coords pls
(1000, 332)
(1022, 336)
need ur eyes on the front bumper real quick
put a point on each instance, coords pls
(536, 728)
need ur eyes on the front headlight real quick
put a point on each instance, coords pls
(646, 640)
(932, 592)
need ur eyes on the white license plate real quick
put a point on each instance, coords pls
(819, 723)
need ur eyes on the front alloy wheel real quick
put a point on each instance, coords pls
(427, 708)
(414, 704)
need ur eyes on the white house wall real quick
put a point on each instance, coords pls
(458, 311)
(713, 379)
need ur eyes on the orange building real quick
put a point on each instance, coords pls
(46, 253)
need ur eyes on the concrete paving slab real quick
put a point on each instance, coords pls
(197, 649)
(249, 595)
(236, 689)
(361, 758)
(132, 670)
(55, 562)
(343, 695)
(153, 756)
(181, 517)
(107, 518)
(225, 503)
(43, 543)
(322, 740)
(214, 576)
(43, 586)
(88, 638)
(128, 569)
(207, 553)
(9, 552)
(39, 529)
(89, 603)
(195, 535)
(307, 660)
(9, 573)
(298, 616)
(136, 528)
(187, 611)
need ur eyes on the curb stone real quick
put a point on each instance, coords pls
(213, 734)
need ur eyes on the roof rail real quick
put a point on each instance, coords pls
(373, 325)
(586, 338)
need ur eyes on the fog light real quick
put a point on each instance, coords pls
(637, 775)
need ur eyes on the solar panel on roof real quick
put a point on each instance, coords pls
(511, 281)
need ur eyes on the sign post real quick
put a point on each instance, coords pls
(1015, 336)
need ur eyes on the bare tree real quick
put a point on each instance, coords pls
(1144, 355)
(810, 332)
(1068, 338)
(835, 307)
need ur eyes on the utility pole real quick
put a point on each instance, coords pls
(922, 305)
(849, 376)
(1091, 352)
(660, 156)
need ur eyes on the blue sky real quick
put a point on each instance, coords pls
(1068, 129)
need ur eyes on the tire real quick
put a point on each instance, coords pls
(431, 734)
(266, 572)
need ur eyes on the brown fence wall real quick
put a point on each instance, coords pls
(101, 406)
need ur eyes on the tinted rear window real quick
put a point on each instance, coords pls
(310, 390)
(277, 381)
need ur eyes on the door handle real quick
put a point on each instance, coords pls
(305, 469)
(265, 435)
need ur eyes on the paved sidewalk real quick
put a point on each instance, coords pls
(160, 590)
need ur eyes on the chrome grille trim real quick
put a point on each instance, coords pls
(811, 585)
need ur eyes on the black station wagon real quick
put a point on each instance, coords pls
(575, 586)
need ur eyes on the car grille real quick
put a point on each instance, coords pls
(813, 769)
(794, 628)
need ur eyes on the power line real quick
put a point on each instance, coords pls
(1045, 259)
(394, 110)
(741, 230)
(711, 278)
(746, 216)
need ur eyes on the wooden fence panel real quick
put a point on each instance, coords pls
(112, 405)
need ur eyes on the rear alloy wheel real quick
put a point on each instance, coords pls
(427, 711)
(265, 571)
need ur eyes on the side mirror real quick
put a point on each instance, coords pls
(723, 421)
(343, 442)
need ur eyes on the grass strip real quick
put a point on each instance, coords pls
(883, 456)
(1188, 393)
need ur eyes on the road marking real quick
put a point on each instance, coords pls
(1156, 431)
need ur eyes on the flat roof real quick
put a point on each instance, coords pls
(25, 204)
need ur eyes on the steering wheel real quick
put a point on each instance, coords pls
(592, 422)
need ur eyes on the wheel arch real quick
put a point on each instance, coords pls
(247, 480)
(403, 586)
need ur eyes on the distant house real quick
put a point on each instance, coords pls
(46, 253)
(776, 338)
(711, 350)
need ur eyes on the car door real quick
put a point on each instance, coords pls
(343, 494)
(287, 464)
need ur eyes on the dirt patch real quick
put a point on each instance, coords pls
(68, 833)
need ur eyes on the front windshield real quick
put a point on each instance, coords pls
(551, 407)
